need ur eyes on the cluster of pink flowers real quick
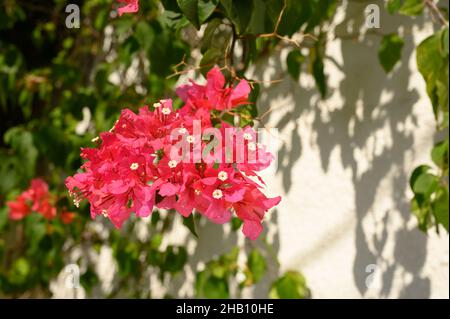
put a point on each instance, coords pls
(137, 164)
(37, 199)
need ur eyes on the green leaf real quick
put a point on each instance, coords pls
(189, 222)
(390, 51)
(250, 111)
(422, 214)
(89, 279)
(206, 9)
(412, 7)
(144, 35)
(239, 12)
(258, 18)
(210, 58)
(434, 68)
(444, 43)
(441, 207)
(316, 56)
(393, 6)
(257, 265)
(35, 228)
(319, 76)
(22, 143)
(3, 217)
(290, 286)
(175, 257)
(127, 257)
(426, 184)
(294, 62)
(236, 223)
(253, 98)
(422, 169)
(190, 10)
(208, 286)
(428, 55)
(19, 271)
(218, 269)
(208, 35)
(156, 241)
(439, 154)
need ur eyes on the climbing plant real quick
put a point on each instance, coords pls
(429, 184)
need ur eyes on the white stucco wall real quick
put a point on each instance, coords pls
(345, 164)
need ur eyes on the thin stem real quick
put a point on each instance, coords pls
(436, 12)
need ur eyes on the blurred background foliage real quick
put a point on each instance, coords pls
(61, 87)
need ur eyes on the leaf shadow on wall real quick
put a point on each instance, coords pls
(361, 121)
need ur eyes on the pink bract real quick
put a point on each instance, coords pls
(36, 198)
(130, 6)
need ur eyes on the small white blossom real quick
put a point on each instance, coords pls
(217, 194)
(173, 164)
(190, 139)
(223, 176)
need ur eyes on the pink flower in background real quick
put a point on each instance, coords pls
(37, 199)
(67, 217)
(131, 6)
(18, 208)
(133, 167)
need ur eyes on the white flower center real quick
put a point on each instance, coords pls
(182, 130)
(217, 194)
(222, 176)
(76, 202)
(173, 164)
(165, 111)
(190, 139)
(134, 166)
(157, 105)
(247, 136)
(105, 213)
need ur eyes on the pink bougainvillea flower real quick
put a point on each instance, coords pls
(133, 167)
(18, 208)
(252, 209)
(46, 209)
(67, 217)
(36, 193)
(214, 95)
(36, 198)
(131, 6)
